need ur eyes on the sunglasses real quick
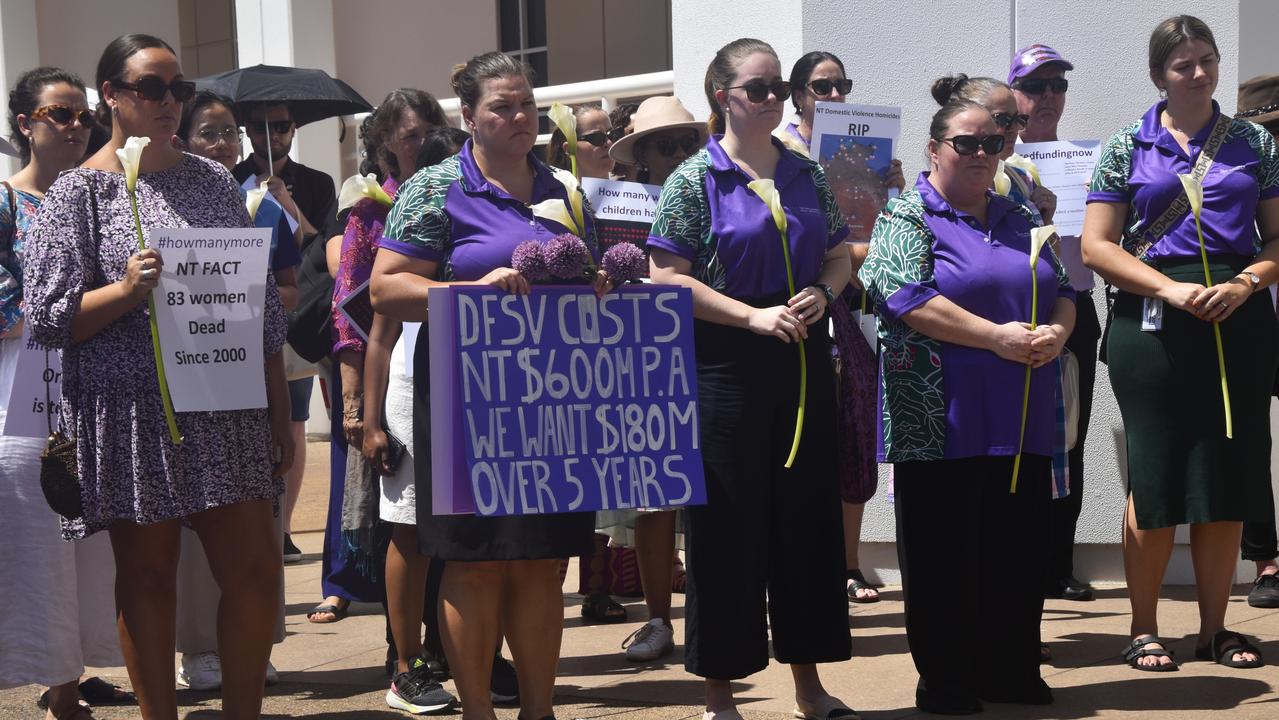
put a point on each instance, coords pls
(667, 146)
(279, 127)
(823, 87)
(757, 90)
(151, 87)
(1036, 86)
(597, 138)
(210, 136)
(63, 115)
(617, 133)
(1004, 121)
(969, 144)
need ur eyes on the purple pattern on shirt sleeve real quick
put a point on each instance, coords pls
(60, 259)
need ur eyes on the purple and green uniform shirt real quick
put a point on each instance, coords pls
(941, 400)
(708, 216)
(1139, 165)
(452, 215)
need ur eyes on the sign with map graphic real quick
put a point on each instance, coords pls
(855, 145)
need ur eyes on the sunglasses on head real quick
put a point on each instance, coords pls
(757, 90)
(667, 145)
(597, 138)
(969, 144)
(63, 115)
(151, 87)
(823, 87)
(1036, 86)
(279, 127)
(1004, 121)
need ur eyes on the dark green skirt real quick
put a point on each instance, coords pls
(1181, 467)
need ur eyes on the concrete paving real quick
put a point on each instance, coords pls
(336, 671)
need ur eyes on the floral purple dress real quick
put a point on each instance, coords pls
(129, 469)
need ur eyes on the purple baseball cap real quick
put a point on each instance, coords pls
(1027, 59)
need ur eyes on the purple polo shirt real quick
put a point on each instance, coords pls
(451, 213)
(724, 224)
(1232, 187)
(986, 271)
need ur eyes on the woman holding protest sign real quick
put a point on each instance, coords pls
(88, 290)
(1191, 341)
(60, 611)
(459, 222)
(759, 280)
(970, 475)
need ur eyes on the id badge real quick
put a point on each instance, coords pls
(1152, 314)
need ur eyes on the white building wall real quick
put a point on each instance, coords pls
(893, 52)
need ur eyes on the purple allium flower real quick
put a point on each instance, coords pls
(529, 260)
(566, 256)
(623, 263)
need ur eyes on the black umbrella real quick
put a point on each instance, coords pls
(310, 94)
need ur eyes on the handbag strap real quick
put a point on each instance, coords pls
(12, 233)
(48, 401)
(1177, 210)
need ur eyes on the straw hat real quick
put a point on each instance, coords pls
(655, 115)
(1259, 100)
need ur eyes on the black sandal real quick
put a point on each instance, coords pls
(600, 608)
(97, 691)
(1223, 648)
(1137, 650)
(860, 584)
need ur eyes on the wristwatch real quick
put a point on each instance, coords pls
(1254, 280)
(830, 294)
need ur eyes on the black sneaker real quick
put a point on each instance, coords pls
(1265, 592)
(504, 687)
(416, 692)
(291, 552)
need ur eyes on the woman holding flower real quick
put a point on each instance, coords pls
(715, 235)
(955, 347)
(1178, 288)
(87, 294)
(459, 223)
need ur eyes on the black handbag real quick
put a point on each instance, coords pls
(59, 474)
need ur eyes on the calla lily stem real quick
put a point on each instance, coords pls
(1216, 332)
(169, 418)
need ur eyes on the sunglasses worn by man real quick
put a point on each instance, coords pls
(278, 127)
(822, 87)
(153, 88)
(1004, 121)
(63, 115)
(757, 90)
(1037, 86)
(969, 144)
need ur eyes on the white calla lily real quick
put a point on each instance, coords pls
(1025, 165)
(570, 214)
(1194, 192)
(131, 159)
(767, 191)
(1003, 185)
(564, 119)
(1038, 238)
(253, 200)
(359, 187)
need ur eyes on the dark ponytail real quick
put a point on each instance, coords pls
(722, 71)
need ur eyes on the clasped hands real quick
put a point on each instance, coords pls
(1213, 304)
(1015, 341)
(789, 322)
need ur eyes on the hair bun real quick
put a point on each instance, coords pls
(944, 87)
(455, 76)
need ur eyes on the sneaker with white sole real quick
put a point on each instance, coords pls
(200, 671)
(291, 552)
(417, 693)
(653, 640)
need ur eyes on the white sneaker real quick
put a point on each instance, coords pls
(200, 671)
(654, 639)
(272, 677)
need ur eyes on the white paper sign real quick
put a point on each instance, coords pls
(855, 145)
(408, 339)
(624, 211)
(25, 414)
(209, 312)
(251, 183)
(1065, 167)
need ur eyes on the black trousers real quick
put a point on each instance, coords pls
(970, 554)
(768, 545)
(1259, 541)
(1064, 512)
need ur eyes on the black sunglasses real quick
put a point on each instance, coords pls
(151, 87)
(1036, 86)
(666, 145)
(597, 138)
(279, 127)
(63, 115)
(823, 87)
(757, 90)
(969, 144)
(1004, 121)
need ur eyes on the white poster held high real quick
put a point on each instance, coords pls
(209, 307)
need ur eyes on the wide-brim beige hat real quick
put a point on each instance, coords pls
(653, 116)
